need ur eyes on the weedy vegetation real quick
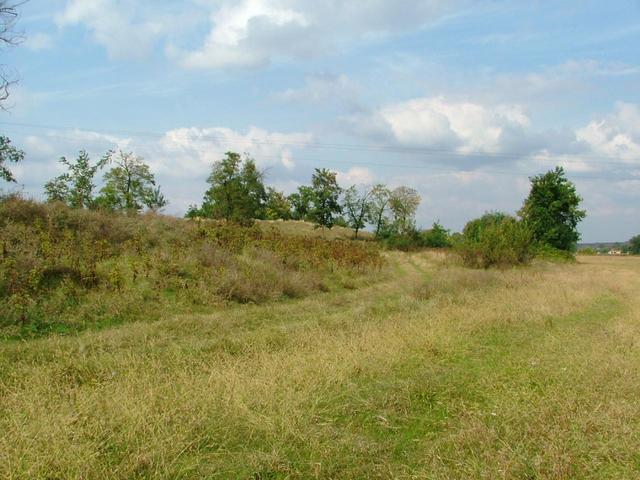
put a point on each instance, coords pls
(64, 269)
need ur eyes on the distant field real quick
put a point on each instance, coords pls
(430, 371)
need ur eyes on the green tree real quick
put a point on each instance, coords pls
(552, 210)
(130, 186)
(277, 205)
(436, 237)
(326, 197)
(236, 191)
(379, 208)
(75, 187)
(403, 203)
(634, 245)
(301, 203)
(357, 207)
(8, 154)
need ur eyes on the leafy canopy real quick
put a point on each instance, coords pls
(326, 197)
(357, 207)
(130, 186)
(237, 192)
(75, 187)
(552, 210)
(8, 154)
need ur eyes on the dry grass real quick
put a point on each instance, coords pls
(522, 374)
(308, 229)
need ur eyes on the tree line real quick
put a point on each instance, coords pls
(237, 192)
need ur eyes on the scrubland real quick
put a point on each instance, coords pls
(414, 367)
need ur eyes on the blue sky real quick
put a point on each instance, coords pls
(461, 100)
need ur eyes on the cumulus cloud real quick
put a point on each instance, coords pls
(435, 122)
(617, 135)
(246, 33)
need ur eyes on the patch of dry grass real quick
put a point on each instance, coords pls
(528, 374)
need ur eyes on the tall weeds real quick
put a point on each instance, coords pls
(63, 269)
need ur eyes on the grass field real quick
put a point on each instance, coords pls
(430, 372)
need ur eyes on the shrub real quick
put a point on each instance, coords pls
(495, 239)
(436, 237)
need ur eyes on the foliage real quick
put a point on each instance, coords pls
(301, 203)
(403, 203)
(8, 154)
(325, 199)
(357, 207)
(130, 186)
(552, 210)
(237, 192)
(379, 208)
(75, 187)
(634, 245)
(495, 239)
(65, 269)
(278, 206)
(436, 237)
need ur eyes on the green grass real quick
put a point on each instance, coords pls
(428, 371)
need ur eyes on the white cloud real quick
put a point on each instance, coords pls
(193, 150)
(435, 122)
(253, 33)
(245, 33)
(356, 176)
(617, 135)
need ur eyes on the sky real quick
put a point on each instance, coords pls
(461, 100)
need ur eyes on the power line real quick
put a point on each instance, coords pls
(599, 159)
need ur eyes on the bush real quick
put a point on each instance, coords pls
(547, 252)
(495, 239)
(436, 237)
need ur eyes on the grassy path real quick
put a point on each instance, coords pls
(434, 372)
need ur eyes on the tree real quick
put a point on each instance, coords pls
(236, 191)
(403, 203)
(634, 245)
(326, 197)
(552, 210)
(8, 154)
(357, 206)
(130, 186)
(437, 237)
(8, 38)
(75, 187)
(379, 207)
(277, 205)
(301, 203)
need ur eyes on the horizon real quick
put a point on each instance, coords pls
(463, 101)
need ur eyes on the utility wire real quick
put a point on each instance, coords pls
(599, 159)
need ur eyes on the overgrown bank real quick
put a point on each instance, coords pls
(65, 269)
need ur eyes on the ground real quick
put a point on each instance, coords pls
(426, 371)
